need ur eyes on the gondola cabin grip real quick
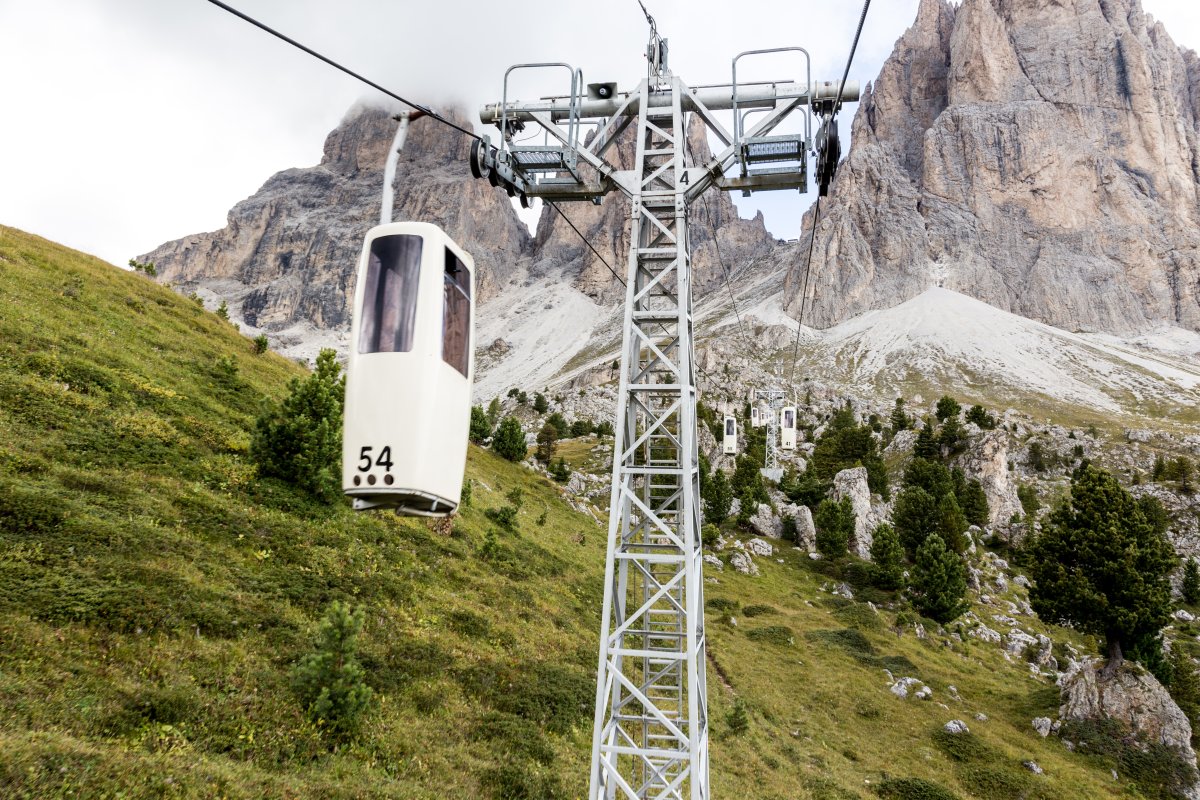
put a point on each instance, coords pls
(409, 374)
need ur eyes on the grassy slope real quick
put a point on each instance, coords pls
(153, 595)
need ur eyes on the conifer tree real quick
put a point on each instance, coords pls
(947, 408)
(926, 446)
(493, 413)
(974, 503)
(938, 583)
(951, 524)
(561, 472)
(330, 682)
(509, 440)
(480, 430)
(560, 425)
(301, 441)
(835, 524)
(1191, 582)
(952, 438)
(718, 498)
(900, 420)
(915, 516)
(547, 443)
(888, 558)
(540, 404)
(1101, 565)
(978, 415)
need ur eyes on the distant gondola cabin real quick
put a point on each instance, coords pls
(754, 418)
(787, 428)
(409, 375)
(730, 439)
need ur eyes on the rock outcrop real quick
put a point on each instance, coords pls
(1130, 695)
(852, 483)
(1041, 157)
(987, 460)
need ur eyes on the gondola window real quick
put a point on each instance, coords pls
(390, 296)
(456, 314)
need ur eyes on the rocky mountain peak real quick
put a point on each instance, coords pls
(1042, 157)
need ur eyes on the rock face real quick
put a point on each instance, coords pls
(852, 483)
(1041, 157)
(289, 253)
(987, 460)
(1132, 696)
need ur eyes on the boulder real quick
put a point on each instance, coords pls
(760, 548)
(806, 531)
(1130, 695)
(766, 523)
(713, 561)
(852, 483)
(1042, 725)
(743, 563)
(956, 727)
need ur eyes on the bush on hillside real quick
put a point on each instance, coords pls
(330, 682)
(912, 789)
(301, 441)
(509, 440)
(480, 429)
(835, 525)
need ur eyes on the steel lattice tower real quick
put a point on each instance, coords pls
(651, 724)
(651, 731)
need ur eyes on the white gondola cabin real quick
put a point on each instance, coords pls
(787, 428)
(755, 421)
(408, 379)
(729, 447)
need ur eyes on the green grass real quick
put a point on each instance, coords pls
(154, 595)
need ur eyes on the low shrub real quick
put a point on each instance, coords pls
(513, 736)
(772, 634)
(722, 604)
(757, 610)
(521, 782)
(859, 615)
(913, 789)
(995, 782)
(962, 746)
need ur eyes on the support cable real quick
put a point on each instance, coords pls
(854, 46)
(712, 230)
(817, 214)
(804, 292)
(554, 205)
(263, 27)
(424, 109)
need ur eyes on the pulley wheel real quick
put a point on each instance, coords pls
(479, 167)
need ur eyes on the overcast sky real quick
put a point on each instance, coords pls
(127, 123)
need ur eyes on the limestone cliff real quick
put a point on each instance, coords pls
(288, 253)
(1041, 157)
